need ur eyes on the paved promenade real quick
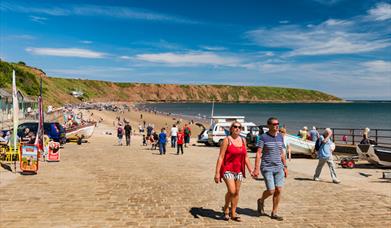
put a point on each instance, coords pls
(99, 184)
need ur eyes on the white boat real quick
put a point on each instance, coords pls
(301, 146)
(84, 131)
(377, 155)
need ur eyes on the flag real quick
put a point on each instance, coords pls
(15, 106)
(39, 137)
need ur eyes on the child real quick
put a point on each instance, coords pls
(120, 134)
(180, 141)
(144, 141)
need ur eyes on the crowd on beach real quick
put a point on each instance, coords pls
(179, 136)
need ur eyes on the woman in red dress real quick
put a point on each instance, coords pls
(231, 168)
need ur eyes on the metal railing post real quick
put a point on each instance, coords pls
(353, 137)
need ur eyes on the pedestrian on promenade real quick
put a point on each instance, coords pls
(286, 143)
(187, 132)
(231, 168)
(273, 167)
(144, 141)
(173, 133)
(303, 133)
(120, 134)
(128, 133)
(314, 134)
(162, 141)
(325, 155)
(181, 139)
(154, 139)
(149, 130)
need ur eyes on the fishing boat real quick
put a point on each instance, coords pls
(83, 131)
(301, 146)
(378, 155)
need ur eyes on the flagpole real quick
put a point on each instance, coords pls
(15, 107)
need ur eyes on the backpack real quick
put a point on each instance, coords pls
(187, 131)
(119, 131)
(318, 143)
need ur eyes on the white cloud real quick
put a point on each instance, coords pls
(22, 37)
(381, 12)
(284, 22)
(327, 2)
(124, 57)
(66, 52)
(86, 41)
(96, 10)
(213, 48)
(378, 66)
(37, 19)
(190, 58)
(88, 70)
(335, 22)
(327, 38)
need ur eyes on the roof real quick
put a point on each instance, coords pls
(4, 93)
(222, 119)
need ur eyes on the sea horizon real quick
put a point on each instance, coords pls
(351, 114)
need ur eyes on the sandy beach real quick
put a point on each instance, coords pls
(101, 184)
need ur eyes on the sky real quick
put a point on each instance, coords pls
(341, 47)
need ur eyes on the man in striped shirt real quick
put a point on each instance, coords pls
(273, 167)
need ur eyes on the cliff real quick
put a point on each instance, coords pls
(57, 91)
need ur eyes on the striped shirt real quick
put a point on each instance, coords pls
(272, 148)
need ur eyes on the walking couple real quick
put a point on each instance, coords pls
(231, 167)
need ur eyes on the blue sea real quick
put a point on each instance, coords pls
(294, 116)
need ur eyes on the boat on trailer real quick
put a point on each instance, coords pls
(301, 146)
(378, 155)
(83, 131)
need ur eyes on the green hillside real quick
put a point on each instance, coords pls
(57, 90)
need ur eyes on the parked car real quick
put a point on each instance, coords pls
(219, 131)
(203, 136)
(53, 129)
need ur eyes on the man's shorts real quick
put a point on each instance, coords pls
(274, 179)
(235, 176)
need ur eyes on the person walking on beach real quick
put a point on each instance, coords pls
(181, 139)
(173, 133)
(162, 142)
(325, 156)
(128, 133)
(273, 166)
(187, 132)
(314, 134)
(120, 134)
(230, 167)
(286, 143)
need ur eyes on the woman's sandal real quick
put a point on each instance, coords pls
(236, 219)
(226, 213)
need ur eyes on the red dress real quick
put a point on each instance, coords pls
(234, 159)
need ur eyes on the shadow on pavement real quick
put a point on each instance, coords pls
(198, 212)
(303, 179)
(6, 167)
(247, 211)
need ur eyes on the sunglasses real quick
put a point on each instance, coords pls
(236, 126)
(276, 124)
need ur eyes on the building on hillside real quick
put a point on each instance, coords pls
(27, 105)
